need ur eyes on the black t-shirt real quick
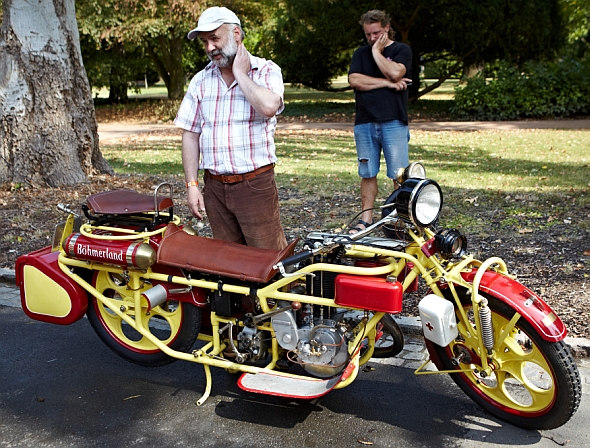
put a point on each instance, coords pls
(385, 104)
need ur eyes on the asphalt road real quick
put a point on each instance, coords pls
(61, 387)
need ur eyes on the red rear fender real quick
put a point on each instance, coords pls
(47, 294)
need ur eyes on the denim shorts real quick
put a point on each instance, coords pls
(392, 137)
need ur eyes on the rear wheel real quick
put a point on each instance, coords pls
(389, 341)
(175, 324)
(535, 384)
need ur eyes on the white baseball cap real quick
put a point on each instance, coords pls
(213, 18)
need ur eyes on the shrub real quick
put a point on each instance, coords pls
(559, 89)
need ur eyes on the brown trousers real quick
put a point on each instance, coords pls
(245, 212)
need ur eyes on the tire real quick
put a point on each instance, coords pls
(390, 340)
(176, 324)
(535, 385)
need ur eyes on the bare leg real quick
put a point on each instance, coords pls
(369, 190)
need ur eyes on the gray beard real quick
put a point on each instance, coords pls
(228, 54)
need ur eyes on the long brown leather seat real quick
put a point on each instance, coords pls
(219, 257)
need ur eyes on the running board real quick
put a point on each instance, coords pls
(271, 383)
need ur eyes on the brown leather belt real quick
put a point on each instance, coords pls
(234, 178)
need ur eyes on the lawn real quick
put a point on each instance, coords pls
(529, 177)
(520, 161)
(530, 172)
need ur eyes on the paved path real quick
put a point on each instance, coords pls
(110, 131)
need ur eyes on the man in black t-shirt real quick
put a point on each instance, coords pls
(379, 73)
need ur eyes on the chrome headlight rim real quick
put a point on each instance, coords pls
(414, 170)
(451, 243)
(408, 202)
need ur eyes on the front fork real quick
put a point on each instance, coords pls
(483, 328)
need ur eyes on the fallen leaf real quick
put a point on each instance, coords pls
(525, 230)
(587, 253)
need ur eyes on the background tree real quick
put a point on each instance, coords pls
(116, 67)
(48, 131)
(156, 27)
(577, 13)
(314, 39)
(117, 34)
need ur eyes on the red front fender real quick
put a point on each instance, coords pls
(528, 304)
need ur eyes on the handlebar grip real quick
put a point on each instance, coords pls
(301, 256)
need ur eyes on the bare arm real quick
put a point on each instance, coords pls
(191, 153)
(393, 71)
(263, 100)
(359, 81)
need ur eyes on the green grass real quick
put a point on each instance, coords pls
(479, 166)
(522, 179)
(514, 182)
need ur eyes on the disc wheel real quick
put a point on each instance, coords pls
(175, 324)
(390, 339)
(534, 384)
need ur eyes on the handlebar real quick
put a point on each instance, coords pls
(66, 209)
(297, 258)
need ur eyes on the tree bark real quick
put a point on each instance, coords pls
(169, 64)
(48, 130)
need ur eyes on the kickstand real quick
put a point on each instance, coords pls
(202, 400)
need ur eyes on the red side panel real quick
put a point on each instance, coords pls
(534, 309)
(47, 294)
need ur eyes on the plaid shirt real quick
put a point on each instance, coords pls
(234, 138)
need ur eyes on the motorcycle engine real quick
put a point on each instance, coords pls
(318, 344)
(253, 342)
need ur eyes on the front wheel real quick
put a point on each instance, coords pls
(534, 384)
(175, 324)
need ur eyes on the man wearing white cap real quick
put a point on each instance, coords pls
(229, 117)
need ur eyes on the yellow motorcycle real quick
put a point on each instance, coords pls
(301, 323)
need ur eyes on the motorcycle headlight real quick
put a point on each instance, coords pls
(419, 201)
(414, 170)
(451, 243)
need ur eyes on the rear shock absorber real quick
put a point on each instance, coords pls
(485, 322)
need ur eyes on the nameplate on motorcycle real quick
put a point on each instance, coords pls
(121, 253)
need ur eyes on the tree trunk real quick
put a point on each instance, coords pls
(48, 130)
(472, 70)
(168, 63)
(177, 79)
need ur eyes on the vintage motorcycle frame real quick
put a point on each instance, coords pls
(136, 248)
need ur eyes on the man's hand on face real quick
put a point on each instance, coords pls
(242, 61)
(381, 43)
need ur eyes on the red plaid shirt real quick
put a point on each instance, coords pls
(234, 138)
